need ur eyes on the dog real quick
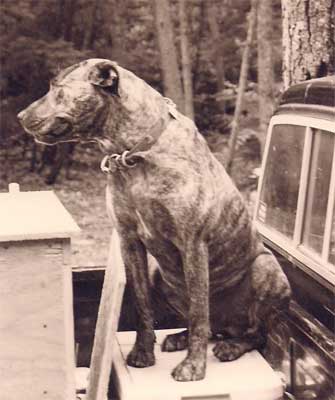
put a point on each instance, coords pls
(171, 198)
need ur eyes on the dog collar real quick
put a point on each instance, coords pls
(111, 163)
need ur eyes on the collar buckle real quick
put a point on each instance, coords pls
(110, 163)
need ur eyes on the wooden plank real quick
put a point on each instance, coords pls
(108, 318)
(34, 215)
(36, 325)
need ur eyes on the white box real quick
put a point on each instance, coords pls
(37, 359)
(248, 378)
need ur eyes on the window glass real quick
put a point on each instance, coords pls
(332, 241)
(279, 194)
(318, 189)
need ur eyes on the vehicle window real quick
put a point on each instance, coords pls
(332, 241)
(318, 190)
(280, 189)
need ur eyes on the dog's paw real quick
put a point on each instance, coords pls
(175, 342)
(140, 358)
(229, 350)
(191, 369)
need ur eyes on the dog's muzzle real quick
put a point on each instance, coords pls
(49, 131)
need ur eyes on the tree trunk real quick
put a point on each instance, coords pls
(265, 67)
(59, 19)
(242, 85)
(196, 62)
(70, 8)
(114, 15)
(308, 39)
(217, 50)
(186, 67)
(90, 25)
(168, 54)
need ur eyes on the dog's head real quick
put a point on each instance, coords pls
(74, 107)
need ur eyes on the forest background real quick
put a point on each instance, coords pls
(219, 61)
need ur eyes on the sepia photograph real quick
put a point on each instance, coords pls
(167, 200)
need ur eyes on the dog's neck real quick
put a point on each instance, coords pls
(129, 128)
(128, 120)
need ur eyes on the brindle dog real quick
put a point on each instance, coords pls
(172, 198)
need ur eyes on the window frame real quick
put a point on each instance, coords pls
(318, 265)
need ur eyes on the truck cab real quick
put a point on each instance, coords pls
(295, 215)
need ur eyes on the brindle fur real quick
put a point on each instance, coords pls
(177, 203)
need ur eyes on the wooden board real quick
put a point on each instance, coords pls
(36, 321)
(34, 215)
(249, 377)
(108, 318)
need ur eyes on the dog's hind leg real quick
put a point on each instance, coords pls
(253, 338)
(176, 341)
(267, 291)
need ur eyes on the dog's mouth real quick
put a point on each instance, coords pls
(54, 131)
(53, 138)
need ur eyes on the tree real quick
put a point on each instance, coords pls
(308, 39)
(59, 18)
(115, 20)
(70, 9)
(186, 61)
(242, 84)
(168, 54)
(217, 50)
(91, 22)
(265, 71)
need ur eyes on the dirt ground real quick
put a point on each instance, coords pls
(84, 194)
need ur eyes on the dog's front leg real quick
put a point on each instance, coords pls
(136, 264)
(195, 263)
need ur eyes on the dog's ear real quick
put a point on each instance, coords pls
(105, 75)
